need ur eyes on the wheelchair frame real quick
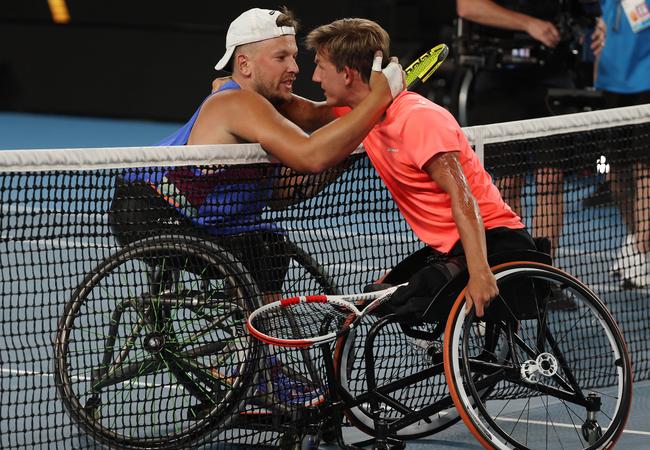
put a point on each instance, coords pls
(375, 411)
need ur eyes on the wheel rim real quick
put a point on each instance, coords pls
(193, 326)
(525, 416)
(399, 356)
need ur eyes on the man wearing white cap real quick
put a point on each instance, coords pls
(260, 51)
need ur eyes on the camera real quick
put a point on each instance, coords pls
(575, 26)
(487, 47)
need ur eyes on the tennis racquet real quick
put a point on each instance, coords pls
(302, 322)
(422, 68)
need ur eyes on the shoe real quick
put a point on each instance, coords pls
(600, 197)
(289, 391)
(286, 389)
(293, 392)
(634, 271)
(560, 300)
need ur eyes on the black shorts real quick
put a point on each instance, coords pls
(428, 270)
(497, 240)
(137, 212)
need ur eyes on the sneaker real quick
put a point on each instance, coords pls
(288, 390)
(634, 271)
(625, 251)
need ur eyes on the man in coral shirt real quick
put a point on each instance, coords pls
(421, 154)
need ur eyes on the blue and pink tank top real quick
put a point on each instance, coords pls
(220, 200)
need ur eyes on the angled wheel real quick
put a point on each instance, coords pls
(566, 380)
(408, 370)
(152, 351)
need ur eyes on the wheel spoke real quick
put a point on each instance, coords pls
(543, 363)
(158, 330)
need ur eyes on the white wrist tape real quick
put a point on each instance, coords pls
(393, 73)
(376, 63)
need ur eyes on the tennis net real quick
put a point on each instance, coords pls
(109, 339)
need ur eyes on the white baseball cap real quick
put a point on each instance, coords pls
(253, 25)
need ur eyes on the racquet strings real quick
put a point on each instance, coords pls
(302, 320)
(422, 68)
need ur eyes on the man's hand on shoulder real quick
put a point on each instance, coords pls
(217, 83)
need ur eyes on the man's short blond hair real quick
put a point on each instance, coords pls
(350, 42)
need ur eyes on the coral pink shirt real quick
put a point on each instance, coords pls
(413, 131)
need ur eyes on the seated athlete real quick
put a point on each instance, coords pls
(227, 203)
(423, 157)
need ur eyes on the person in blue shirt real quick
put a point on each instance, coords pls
(623, 74)
(227, 203)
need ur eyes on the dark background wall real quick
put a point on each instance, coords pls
(154, 59)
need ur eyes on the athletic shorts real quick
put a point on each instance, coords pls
(428, 270)
(137, 212)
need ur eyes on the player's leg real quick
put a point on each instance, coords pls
(549, 206)
(285, 379)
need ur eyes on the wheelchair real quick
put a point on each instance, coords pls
(151, 350)
(529, 374)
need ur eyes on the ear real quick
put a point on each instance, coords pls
(243, 63)
(350, 75)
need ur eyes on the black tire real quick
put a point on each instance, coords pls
(151, 351)
(396, 356)
(562, 359)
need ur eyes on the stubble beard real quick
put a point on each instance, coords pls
(264, 91)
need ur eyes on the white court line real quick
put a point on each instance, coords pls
(57, 243)
(24, 209)
(80, 378)
(565, 425)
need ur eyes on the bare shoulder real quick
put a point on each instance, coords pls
(234, 102)
(223, 116)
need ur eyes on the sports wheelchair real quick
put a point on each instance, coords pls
(152, 352)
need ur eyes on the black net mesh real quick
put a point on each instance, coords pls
(123, 320)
